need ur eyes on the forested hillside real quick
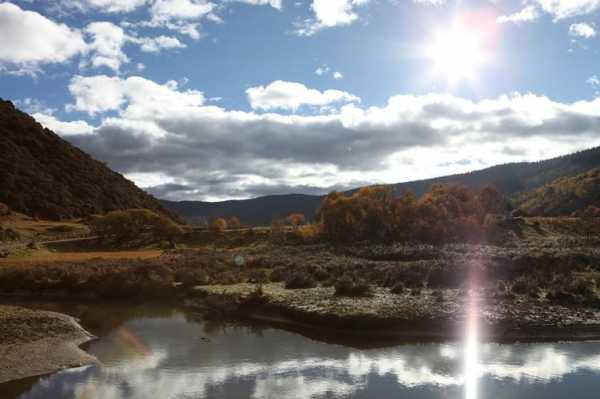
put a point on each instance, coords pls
(563, 196)
(42, 175)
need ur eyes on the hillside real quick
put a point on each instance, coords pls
(511, 179)
(255, 212)
(44, 176)
(563, 196)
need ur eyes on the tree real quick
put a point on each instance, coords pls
(135, 224)
(278, 230)
(217, 227)
(492, 202)
(233, 222)
(296, 219)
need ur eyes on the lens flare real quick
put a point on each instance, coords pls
(472, 367)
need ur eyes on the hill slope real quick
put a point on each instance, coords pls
(511, 179)
(42, 175)
(255, 212)
(563, 196)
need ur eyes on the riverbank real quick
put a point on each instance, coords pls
(433, 314)
(36, 342)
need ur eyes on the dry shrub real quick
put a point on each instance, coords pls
(299, 280)
(352, 287)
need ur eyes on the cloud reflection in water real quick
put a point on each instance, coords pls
(171, 361)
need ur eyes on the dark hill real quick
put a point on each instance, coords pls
(42, 175)
(255, 212)
(512, 179)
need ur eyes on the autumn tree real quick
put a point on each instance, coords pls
(491, 200)
(278, 230)
(135, 224)
(296, 219)
(233, 222)
(217, 227)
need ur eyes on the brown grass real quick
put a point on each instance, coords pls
(43, 257)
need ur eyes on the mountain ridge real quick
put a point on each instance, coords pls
(511, 179)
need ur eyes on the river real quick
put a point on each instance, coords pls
(164, 352)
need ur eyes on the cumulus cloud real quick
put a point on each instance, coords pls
(527, 14)
(107, 6)
(212, 153)
(431, 2)
(142, 97)
(181, 15)
(329, 14)
(63, 128)
(292, 95)
(156, 44)
(562, 9)
(106, 47)
(273, 3)
(593, 81)
(582, 30)
(29, 40)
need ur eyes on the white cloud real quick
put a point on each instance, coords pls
(156, 44)
(593, 81)
(582, 30)
(108, 6)
(166, 10)
(291, 96)
(273, 3)
(562, 9)
(322, 70)
(63, 128)
(215, 153)
(528, 14)
(330, 13)
(182, 16)
(106, 47)
(143, 98)
(95, 94)
(338, 75)
(28, 40)
(431, 2)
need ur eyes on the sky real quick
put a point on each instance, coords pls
(232, 99)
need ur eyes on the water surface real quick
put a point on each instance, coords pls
(152, 352)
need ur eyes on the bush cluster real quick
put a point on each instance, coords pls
(447, 213)
(132, 224)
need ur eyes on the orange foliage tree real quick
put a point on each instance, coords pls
(296, 219)
(445, 213)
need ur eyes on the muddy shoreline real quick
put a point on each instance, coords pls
(34, 343)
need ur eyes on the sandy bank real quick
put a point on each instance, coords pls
(39, 342)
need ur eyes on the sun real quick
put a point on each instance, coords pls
(457, 53)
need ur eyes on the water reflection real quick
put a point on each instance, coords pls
(174, 357)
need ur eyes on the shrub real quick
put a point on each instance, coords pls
(348, 286)
(217, 227)
(299, 280)
(131, 224)
(278, 231)
(309, 233)
(278, 274)
(398, 288)
(4, 209)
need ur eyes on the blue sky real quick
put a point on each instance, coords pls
(216, 99)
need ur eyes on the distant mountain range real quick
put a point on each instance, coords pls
(44, 176)
(514, 180)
